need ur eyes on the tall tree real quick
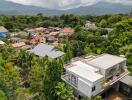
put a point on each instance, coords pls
(53, 76)
(63, 92)
(10, 81)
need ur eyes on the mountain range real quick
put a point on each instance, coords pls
(100, 8)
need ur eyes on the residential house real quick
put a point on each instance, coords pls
(54, 28)
(30, 31)
(66, 31)
(43, 50)
(38, 39)
(90, 26)
(91, 76)
(18, 45)
(18, 40)
(3, 31)
(14, 39)
(55, 34)
(13, 34)
(52, 39)
(2, 43)
(36, 31)
(40, 30)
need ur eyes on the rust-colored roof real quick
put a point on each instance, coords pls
(30, 30)
(36, 39)
(17, 45)
(54, 33)
(67, 30)
(36, 29)
(40, 29)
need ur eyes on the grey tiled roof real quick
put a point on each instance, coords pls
(43, 50)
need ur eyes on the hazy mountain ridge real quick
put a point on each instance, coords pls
(100, 8)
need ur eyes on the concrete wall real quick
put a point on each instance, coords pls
(84, 87)
(106, 72)
(98, 86)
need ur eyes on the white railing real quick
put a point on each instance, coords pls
(66, 79)
(117, 78)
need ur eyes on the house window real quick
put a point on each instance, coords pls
(93, 88)
(74, 80)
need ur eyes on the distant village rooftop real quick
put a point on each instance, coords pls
(3, 29)
(2, 43)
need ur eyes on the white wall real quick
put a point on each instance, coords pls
(105, 71)
(98, 86)
(115, 72)
(84, 87)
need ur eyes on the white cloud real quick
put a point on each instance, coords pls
(65, 4)
(124, 2)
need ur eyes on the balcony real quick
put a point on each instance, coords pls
(68, 80)
(116, 78)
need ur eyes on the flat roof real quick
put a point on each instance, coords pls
(84, 70)
(127, 80)
(106, 61)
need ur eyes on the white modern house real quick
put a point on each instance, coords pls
(90, 76)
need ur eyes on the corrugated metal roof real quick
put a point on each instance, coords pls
(43, 50)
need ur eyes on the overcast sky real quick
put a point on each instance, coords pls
(63, 4)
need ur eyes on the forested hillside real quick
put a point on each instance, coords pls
(23, 76)
(101, 8)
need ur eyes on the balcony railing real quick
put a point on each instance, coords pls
(67, 80)
(115, 78)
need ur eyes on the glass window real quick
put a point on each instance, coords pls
(93, 88)
(74, 80)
